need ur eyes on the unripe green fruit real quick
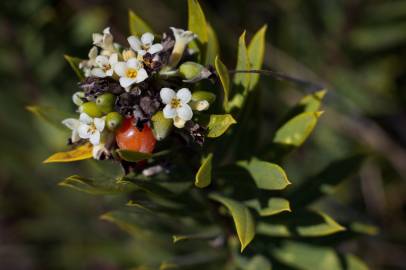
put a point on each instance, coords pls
(91, 109)
(113, 121)
(190, 70)
(106, 102)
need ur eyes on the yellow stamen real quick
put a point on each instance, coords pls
(131, 73)
(175, 103)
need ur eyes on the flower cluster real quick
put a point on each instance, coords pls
(129, 90)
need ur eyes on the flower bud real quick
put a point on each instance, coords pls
(127, 54)
(78, 97)
(182, 39)
(203, 95)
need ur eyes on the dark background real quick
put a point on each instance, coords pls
(357, 48)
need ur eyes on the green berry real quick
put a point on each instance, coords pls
(190, 70)
(91, 109)
(113, 120)
(106, 102)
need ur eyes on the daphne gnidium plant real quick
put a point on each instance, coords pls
(202, 191)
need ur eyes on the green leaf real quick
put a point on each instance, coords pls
(309, 103)
(137, 25)
(197, 21)
(50, 115)
(300, 223)
(274, 206)
(310, 257)
(256, 54)
(203, 176)
(243, 63)
(74, 63)
(315, 187)
(259, 262)
(243, 220)
(161, 126)
(224, 76)
(219, 123)
(266, 175)
(297, 130)
(213, 47)
(96, 187)
(133, 156)
(81, 152)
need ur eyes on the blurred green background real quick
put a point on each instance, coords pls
(356, 47)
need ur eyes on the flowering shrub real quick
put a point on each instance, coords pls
(183, 128)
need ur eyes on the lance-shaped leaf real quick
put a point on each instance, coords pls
(224, 76)
(133, 156)
(310, 257)
(137, 25)
(96, 187)
(256, 54)
(274, 206)
(316, 186)
(258, 262)
(213, 47)
(197, 21)
(243, 220)
(74, 63)
(266, 175)
(300, 223)
(203, 176)
(309, 103)
(79, 153)
(218, 124)
(297, 130)
(49, 115)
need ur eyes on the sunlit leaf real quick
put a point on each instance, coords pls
(133, 156)
(96, 187)
(224, 76)
(297, 130)
(309, 103)
(266, 175)
(203, 176)
(274, 206)
(256, 54)
(310, 257)
(219, 123)
(243, 63)
(137, 25)
(213, 47)
(79, 153)
(197, 21)
(243, 220)
(74, 63)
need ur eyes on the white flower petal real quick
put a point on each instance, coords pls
(179, 122)
(93, 53)
(120, 68)
(71, 123)
(167, 94)
(126, 82)
(185, 112)
(169, 112)
(106, 30)
(141, 52)
(113, 59)
(95, 138)
(85, 119)
(84, 131)
(75, 136)
(99, 123)
(97, 38)
(98, 150)
(135, 43)
(155, 48)
(133, 63)
(102, 60)
(98, 72)
(147, 38)
(184, 95)
(142, 75)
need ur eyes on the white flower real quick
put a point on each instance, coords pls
(177, 107)
(100, 150)
(130, 72)
(104, 41)
(90, 128)
(182, 39)
(73, 124)
(87, 65)
(105, 65)
(145, 44)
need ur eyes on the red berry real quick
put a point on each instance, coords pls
(129, 137)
